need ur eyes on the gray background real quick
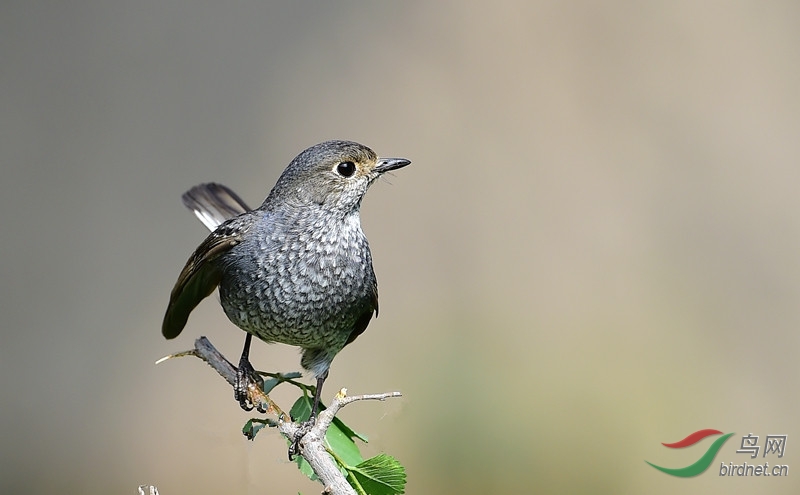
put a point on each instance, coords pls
(595, 250)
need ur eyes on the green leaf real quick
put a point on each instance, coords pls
(301, 409)
(381, 475)
(269, 384)
(252, 427)
(342, 445)
(278, 378)
(305, 468)
(349, 431)
(339, 441)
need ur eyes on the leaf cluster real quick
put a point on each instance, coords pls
(378, 475)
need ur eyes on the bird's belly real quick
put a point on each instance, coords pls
(297, 310)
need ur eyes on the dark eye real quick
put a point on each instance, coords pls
(346, 169)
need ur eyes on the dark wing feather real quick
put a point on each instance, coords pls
(364, 319)
(200, 276)
(213, 204)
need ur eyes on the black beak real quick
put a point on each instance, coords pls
(387, 164)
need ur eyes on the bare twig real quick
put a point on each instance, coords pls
(312, 445)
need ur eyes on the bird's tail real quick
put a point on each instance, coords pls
(213, 204)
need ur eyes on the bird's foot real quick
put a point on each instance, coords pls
(305, 427)
(246, 377)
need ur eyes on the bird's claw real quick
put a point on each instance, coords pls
(245, 377)
(305, 427)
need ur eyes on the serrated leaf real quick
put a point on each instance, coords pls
(381, 475)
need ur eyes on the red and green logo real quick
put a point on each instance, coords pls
(702, 463)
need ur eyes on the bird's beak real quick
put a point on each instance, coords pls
(387, 164)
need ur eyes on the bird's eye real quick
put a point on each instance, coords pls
(346, 169)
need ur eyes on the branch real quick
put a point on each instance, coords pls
(312, 445)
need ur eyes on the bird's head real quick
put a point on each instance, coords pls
(333, 175)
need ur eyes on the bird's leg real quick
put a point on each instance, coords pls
(317, 395)
(245, 376)
(306, 425)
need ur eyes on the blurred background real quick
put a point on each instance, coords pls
(595, 250)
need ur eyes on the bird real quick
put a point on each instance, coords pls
(296, 270)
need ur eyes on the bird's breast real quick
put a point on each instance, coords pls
(303, 286)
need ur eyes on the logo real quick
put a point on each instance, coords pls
(704, 461)
(774, 445)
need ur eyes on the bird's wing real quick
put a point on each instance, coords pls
(213, 204)
(364, 319)
(201, 276)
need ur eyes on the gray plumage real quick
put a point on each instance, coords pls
(297, 269)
